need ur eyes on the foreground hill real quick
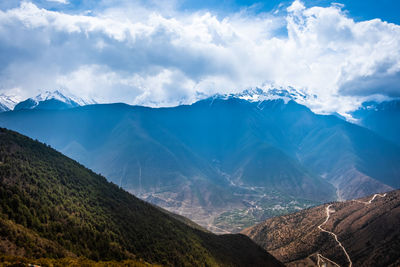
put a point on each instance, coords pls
(51, 206)
(226, 163)
(367, 232)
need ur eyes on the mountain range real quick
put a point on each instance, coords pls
(53, 207)
(227, 162)
(361, 232)
(53, 100)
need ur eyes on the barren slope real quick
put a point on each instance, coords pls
(367, 229)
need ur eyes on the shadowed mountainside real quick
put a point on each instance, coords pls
(383, 118)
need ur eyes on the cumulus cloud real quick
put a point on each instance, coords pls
(140, 55)
(296, 6)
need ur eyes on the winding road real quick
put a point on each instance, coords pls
(370, 201)
(328, 214)
(325, 259)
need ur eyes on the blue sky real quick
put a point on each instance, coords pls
(386, 10)
(163, 53)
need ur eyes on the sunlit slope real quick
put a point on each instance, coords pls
(361, 232)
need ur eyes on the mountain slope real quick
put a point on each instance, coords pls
(383, 118)
(357, 161)
(366, 228)
(51, 206)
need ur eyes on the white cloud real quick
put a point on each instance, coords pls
(143, 56)
(165, 88)
(296, 6)
(59, 1)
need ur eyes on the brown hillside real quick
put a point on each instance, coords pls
(368, 231)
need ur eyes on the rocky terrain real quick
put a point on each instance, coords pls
(362, 232)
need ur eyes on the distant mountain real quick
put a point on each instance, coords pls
(366, 228)
(51, 206)
(383, 118)
(6, 103)
(268, 93)
(52, 100)
(225, 162)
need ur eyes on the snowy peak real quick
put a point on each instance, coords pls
(48, 95)
(272, 93)
(53, 100)
(6, 103)
(268, 93)
(62, 97)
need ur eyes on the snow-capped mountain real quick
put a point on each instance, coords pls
(6, 103)
(268, 93)
(53, 100)
(63, 97)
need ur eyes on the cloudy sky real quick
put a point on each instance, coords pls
(162, 53)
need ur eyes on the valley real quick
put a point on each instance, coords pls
(224, 162)
(257, 205)
(257, 211)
